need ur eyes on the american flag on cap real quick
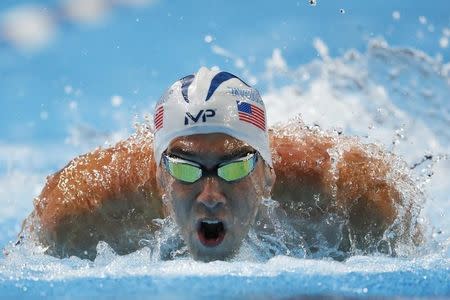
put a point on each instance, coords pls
(159, 117)
(252, 114)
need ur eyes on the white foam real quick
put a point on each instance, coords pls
(380, 95)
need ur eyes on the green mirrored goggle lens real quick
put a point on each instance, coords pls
(184, 172)
(236, 170)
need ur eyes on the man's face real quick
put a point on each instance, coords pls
(214, 215)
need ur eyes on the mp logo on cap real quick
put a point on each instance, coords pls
(202, 114)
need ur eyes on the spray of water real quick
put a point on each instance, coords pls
(391, 99)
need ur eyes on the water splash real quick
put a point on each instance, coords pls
(398, 99)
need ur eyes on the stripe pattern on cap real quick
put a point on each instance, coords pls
(252, 114)
(159, 117)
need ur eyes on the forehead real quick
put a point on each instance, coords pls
(208, 146)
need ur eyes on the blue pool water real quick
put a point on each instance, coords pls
(393, 95)
(418, 282)
(26, 271)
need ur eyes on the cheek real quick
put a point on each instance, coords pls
(181, 200)
(257, 191)
(247, 198)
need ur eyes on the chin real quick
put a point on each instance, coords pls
(207, 256)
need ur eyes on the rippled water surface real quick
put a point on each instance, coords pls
(395, 97)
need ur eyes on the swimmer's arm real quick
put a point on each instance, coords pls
(313, 175)
(108, 194)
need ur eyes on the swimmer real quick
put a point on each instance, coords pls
(209, 163)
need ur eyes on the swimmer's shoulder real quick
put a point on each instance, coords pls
(319, 172)
(108, 194)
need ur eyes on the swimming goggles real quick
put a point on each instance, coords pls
(189, 171)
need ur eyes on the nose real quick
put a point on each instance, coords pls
(211, 195)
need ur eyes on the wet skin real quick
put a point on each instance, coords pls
(234, 204)
(114, 194)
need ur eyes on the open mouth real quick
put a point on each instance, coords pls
(211, 232)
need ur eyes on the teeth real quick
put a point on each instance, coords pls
(211, 222)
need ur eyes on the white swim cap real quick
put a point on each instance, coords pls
(210, 102)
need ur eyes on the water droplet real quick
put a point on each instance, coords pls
(116, 100)
(68, 89)
(208, 39)
(342, 11)
(423, 20)
(313, 2)
(443, 42)
(396, 15)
